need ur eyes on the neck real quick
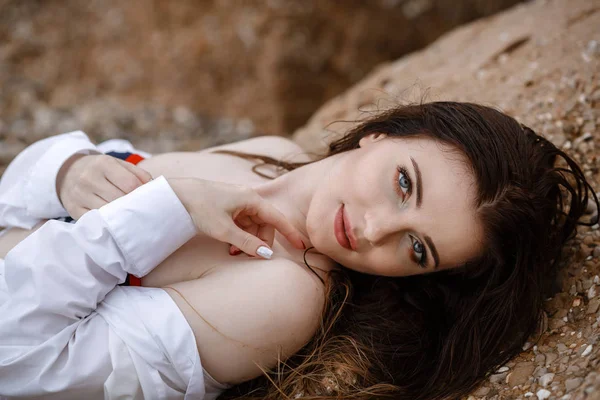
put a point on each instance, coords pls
(292, 192)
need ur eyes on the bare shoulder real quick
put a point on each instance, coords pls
(274, 146)
(250, 314)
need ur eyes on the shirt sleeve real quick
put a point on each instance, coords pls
(28, 186)
(52, 340)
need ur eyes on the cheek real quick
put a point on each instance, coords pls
(382, 261)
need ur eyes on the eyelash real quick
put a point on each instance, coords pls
(402, 170)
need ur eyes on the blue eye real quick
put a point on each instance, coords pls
(404, 181)
(420, 253)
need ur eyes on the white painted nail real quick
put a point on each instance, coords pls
(264, 252)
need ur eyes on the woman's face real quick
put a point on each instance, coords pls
(396, 207)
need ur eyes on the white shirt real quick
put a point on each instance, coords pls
(67, 331)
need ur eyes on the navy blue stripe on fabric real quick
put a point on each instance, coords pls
(121, 156)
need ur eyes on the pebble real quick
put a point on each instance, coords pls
(593, 306)
(543, 394)
(588, 240)
(540, 359)
(587, 351)
(596, 252)
(546, 379)
(482, 391)
(520, 375)
(497, 378)
(572, 383)
(591, 293)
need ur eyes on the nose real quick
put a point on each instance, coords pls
(382, 224)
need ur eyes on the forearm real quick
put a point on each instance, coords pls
(28, 186)
(57, 276)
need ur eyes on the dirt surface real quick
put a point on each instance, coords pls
(540, 62)
(208, 71)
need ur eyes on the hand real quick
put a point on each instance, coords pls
(234, 214)
(87, 182)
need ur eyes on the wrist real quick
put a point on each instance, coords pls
(63, 171)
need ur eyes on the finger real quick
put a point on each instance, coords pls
(244, 222)
(93, 202)
(248, 243)
(143, 175)
(123, 179)
(266, 233)
(109, 192)
(234, 251)
(270, 215)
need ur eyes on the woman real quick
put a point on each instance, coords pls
(449, 221)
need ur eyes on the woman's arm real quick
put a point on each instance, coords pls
(51, 341)
(28, 186)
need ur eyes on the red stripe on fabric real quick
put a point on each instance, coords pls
(134, 281)
(134, 159)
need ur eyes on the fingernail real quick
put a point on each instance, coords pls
(303, 245)
(264, 252)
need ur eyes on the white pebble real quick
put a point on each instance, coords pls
(591, 292)
(597, 280)
(502, 369)
(587, 351)
(546, 379)
(543, 394)
(528, 394)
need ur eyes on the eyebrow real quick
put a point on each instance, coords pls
(434, 253)
(419, 186)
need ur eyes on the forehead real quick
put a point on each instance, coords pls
(448, 213)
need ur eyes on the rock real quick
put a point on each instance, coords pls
(520, 374)
(572, 383)
(550, 358)
(497, 378)
(561, 347)
(546, 379)
(540, 359)
(591, 293)
(543, 394)
(596, 252)
(587, 351)
(593, 306)
(482, 391)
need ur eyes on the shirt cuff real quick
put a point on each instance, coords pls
(40, 194)
(148, 224)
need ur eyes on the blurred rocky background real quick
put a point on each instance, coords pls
(194, 73)
(172, 75)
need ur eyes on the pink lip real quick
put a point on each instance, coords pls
(341, 227)
(348, 231)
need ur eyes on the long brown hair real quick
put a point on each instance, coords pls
(439, 335)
